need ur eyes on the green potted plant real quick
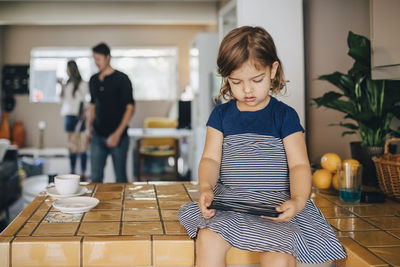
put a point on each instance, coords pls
(369, 105)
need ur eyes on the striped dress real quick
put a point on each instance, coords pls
(254, 170)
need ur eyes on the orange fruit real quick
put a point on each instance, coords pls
(352, 162)
(330, 161)
(322, 179)
(335, 181)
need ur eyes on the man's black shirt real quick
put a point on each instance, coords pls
(110, 98)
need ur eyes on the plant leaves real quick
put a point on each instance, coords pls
(359, 48)
(340, 80)
(348, 133)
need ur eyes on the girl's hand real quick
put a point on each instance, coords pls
(206, 197)
(289, 210)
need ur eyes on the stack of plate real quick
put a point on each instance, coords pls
(74, 203)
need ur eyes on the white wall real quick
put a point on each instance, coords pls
(326, 25)
(284, 21)
(107, 13)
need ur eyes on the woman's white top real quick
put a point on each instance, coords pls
(70, 104)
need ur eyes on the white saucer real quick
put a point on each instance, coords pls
(75, 204)
(52, 191)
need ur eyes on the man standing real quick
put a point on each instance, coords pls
(111, 108)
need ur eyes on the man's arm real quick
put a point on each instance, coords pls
(89, 122)
(113, 139)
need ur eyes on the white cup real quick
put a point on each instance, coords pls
(67, 184)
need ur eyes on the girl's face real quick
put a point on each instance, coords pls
(250, 86)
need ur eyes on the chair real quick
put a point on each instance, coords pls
(157, 148)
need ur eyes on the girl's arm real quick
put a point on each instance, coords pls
(209, 169)
(299, 167)
(300, 176)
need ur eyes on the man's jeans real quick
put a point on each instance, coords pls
(98, 156)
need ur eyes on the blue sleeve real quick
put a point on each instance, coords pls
(290, 122)
(215, 119)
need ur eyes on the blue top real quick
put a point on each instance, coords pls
(277, 119)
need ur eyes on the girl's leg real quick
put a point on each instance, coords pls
(277, 259)
(211, 249)
(83, 163)
(72, 161)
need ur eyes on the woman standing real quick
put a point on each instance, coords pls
(74, 97)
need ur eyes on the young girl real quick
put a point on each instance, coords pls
(255, 153)
(74, 97)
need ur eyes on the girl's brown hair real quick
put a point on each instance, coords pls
(241, 45)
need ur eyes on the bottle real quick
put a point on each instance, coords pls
(4, 126)
(18, 134)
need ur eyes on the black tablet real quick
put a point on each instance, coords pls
(244, 207)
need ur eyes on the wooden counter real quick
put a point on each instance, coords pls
(136, 224)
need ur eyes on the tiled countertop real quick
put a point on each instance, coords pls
(137, 225)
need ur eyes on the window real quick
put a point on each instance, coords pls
(152, 71)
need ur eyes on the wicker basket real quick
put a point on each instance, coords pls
(388, 170)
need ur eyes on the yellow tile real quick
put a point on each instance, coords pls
(386, 223)
(173, 251)
(168, 204)
(389, 254)
(108, 196)
(142, 228)
(371, 211)
(56, 229)
(14, 226)
(395, 233)
(110, 188)
(195, 196)
(374, 238)
(140, 192)
(351, 224)
(132, 188)
(336, 212)
(37, 216)
(163, 182)
(102, 215)
(5, 251)
(116, 251)
(46, 205)
(49, 251)
(342, 234)
(169, 215)
(140, 196)
(179, 198)
(108, 205)
(174, 228)
(27, 229)
(321, 202)
(140, 204)
(141, 215)
(28, 210)
(192, 187)
(99, 228)
(357, 255)
(242, 257)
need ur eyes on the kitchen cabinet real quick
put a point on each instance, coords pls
(385, 39)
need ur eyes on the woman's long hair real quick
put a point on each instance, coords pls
(74, 75)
